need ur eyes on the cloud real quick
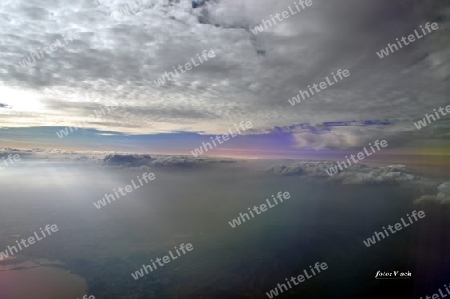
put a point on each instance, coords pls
(145, 161)
(357, 134)
(22, 152)
(117, 57)
(443, 195)
(359, 174)
(127, 160)
(123, 160)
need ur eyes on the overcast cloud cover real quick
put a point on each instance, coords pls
(118, 56)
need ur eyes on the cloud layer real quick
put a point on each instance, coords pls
(359, 174)
(118, 56)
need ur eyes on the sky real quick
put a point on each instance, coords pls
(117, 57)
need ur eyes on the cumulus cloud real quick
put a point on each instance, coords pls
(358, 174)
(443, 195)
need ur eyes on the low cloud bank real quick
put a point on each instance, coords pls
(125, 160)
(356, 175)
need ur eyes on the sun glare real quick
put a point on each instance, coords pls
(20, 100)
